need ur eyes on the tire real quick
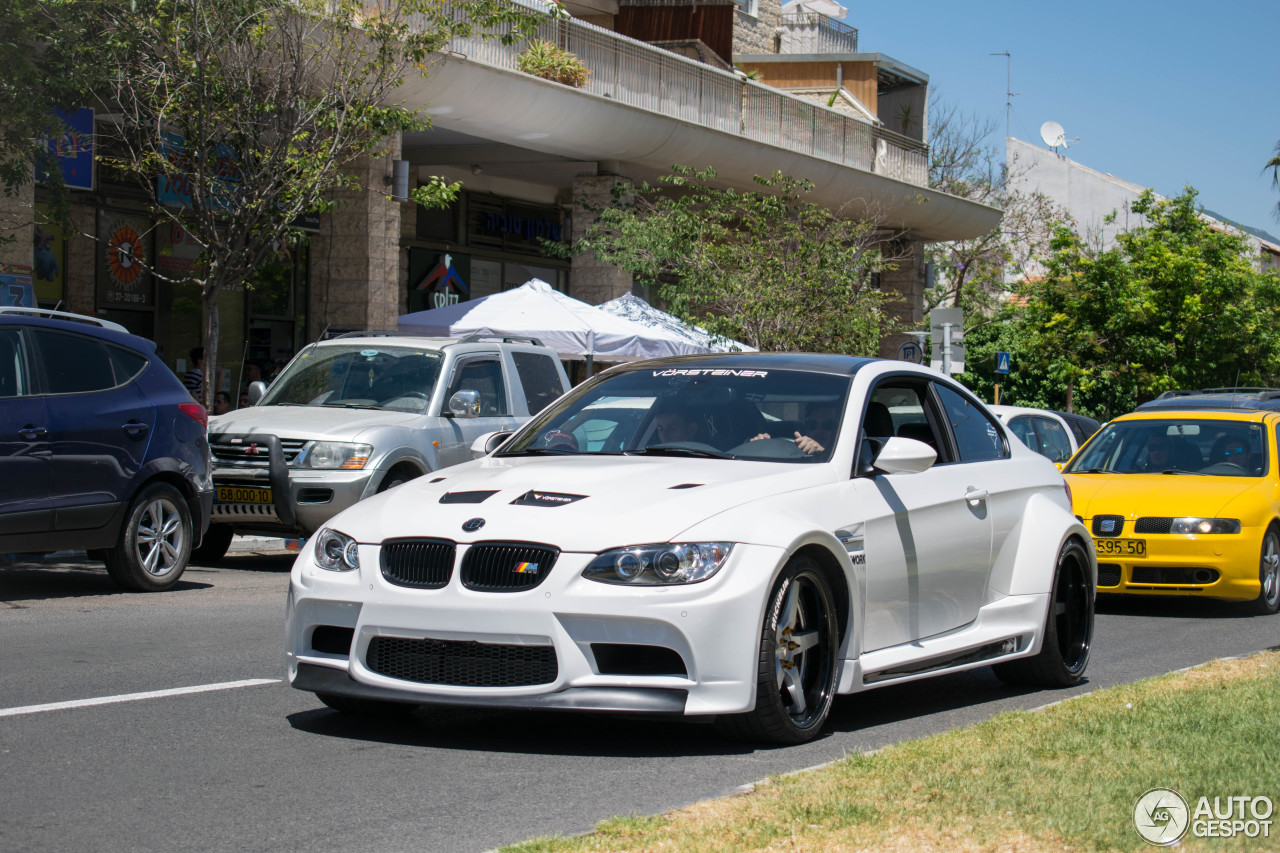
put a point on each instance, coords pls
(795, 682)
(213, 547)
(1268, 600)
(155, 541)
(1068, 628)
(366, 707)
(396, 477)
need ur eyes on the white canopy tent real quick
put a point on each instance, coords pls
(635, 309)
(571, 327)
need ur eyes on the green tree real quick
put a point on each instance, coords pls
(45, 50)
(258, 110)
(763, 266)
(1175, 303)
(1274, 165)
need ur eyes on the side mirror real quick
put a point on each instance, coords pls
(465, 404)
(256, 390)
(905, 456)
(487, 443)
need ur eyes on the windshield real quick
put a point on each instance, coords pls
(358, 377)
(774, 415)
(1175, 445)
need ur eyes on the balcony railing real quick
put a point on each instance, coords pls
(640, 75)
(810, 32)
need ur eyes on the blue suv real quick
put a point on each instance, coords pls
(101, 448)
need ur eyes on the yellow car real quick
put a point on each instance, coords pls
(1184, 502)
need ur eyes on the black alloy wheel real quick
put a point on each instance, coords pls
(1068, 628)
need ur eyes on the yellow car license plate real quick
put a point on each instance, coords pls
(243, 495)
(1120, 547)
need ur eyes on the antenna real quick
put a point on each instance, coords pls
(1008, 87)
(1054, 136)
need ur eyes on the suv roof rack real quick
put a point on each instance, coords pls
(506, 339)
(50, 314)
(371, 333)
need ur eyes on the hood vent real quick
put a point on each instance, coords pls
(687, 486)
(536, 498)
(466, 497)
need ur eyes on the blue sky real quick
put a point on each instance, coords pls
(1161, 94)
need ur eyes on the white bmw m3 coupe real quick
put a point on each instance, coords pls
(742, 536)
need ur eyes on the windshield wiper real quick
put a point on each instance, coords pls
(1180, 471)
(348, 406)
(676, 450)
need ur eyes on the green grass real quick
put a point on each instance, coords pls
(1066, 777)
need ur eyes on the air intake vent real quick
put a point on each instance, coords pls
(462, 663)
(1108, 574)
(418, 563)
(466, 497)
(506, 566)
(1152, 524)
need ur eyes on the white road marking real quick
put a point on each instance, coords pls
(134, 697)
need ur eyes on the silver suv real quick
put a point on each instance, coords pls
(359, 414)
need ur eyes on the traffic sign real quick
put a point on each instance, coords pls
(912, 352)
(1002, 362)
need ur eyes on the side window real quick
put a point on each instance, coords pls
(13, 374)
(485, 376)
(907, 408)
(126, 363)
(539, 378)
(977, 437)
(73, 364)
(1055, 443)
(1026, 433)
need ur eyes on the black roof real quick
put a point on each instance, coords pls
(1264, 399)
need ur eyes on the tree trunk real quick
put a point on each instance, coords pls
(210, 346)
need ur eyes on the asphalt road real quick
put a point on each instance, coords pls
(261, 766)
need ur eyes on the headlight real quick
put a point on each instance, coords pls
(335, 454)
(336, 551)
(658, 565)
(1205, 525)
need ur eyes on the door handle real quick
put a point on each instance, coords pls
(975, 496)
(134, 427)
(31, 432)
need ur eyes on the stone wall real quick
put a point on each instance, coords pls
(592, 280)
(907, 281)
(757, 34)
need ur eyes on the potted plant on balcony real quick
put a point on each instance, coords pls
(549, 61)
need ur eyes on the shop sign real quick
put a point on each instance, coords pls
(443, 285)
(174, 186)
(48, 251)
(72, 145)
(178, 255)
(123, 277)
(15, 286)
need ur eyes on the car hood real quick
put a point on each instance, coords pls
(585, 504)
(309, 422)
(1160, 495)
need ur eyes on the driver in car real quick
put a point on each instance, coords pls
(676, 422)
(820, 423)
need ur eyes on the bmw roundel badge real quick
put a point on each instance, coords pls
(472, 524)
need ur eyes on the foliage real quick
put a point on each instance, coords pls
(1174, 304)
(45, 51)
(549, 61)
(765, 267)
(977, 274)
(256, 111)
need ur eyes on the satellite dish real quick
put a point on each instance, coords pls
(1053, 134)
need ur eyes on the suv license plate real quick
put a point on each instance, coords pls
(243, 495)
(1120, 547)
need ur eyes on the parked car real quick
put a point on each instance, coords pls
(1054, 435)
(101, 448)
(824, 524)
(1184, 502)
(1217, 398)
(359, 414)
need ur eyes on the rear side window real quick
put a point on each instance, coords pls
(540, 379)
(73, 364)
(1054, 441)
(977, 437)
(13, 376)
(126, 363)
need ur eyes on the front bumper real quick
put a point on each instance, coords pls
(713, 627)
(1222, 566)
